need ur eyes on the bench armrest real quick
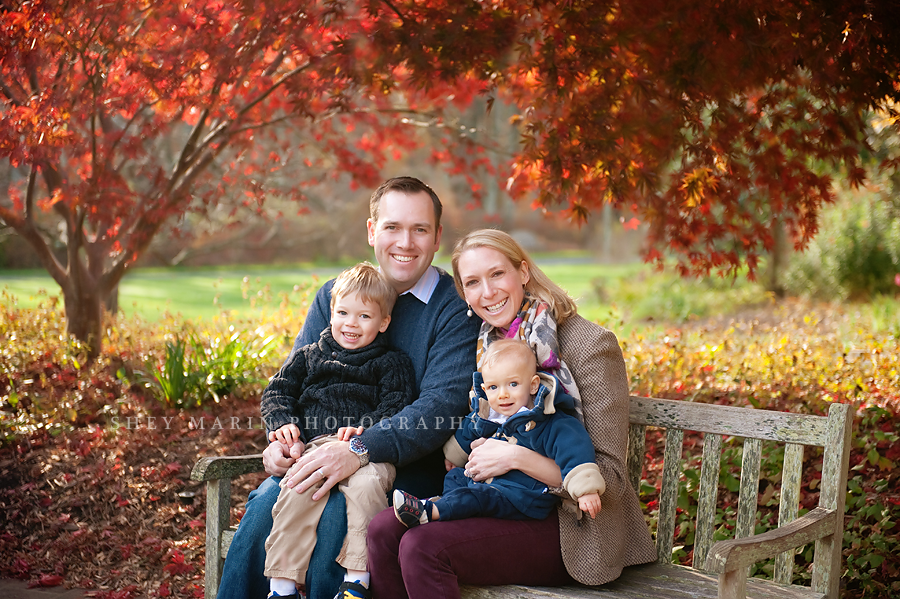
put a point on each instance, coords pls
(212, 468)
(728, 556)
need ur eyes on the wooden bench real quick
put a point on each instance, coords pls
(722, 567)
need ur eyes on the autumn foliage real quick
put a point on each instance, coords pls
(718, 124)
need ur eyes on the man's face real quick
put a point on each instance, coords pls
(405, 237)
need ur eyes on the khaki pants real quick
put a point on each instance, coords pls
(293, 537)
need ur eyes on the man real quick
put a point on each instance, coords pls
(430, 325)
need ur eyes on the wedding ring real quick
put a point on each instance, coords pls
(320, 473)
(467, 473)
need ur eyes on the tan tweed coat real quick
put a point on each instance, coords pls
(595, 551)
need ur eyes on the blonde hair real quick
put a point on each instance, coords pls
(510, 349)
(562, 306)
(366, 281)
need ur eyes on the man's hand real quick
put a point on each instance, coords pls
(326, 466)
(590, 503)
(287, 434)
(345, 433)
(277, 458)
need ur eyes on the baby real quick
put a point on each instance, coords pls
(512, 402)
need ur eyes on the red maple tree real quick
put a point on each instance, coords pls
(121, 117)
(716, 123)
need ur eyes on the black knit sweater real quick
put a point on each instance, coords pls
(323, 387)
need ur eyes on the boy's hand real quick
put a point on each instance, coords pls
(287, 434)
(590, 503)
(345, 433)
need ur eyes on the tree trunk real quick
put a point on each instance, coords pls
(111, 302)
(777, 260)
(84, 318)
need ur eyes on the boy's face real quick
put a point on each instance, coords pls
(355, 323)
(509, 385)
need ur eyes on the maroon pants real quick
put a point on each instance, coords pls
(432, 560)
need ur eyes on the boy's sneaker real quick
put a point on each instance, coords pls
(294, 595)
(410, 511)
(353, 590)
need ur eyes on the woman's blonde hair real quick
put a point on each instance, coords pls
(562, 306)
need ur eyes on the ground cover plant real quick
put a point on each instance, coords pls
(95, 459)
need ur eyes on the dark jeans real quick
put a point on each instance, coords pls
(432, 560)
(242, 577)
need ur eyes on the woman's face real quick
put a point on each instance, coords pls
(492, 285)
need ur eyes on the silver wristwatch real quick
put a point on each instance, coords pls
(361, 451)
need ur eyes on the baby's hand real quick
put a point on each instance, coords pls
(345, 433)
(590, 503)
(449, 465)
(287, 434)
(297, 449)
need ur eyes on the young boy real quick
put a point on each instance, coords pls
(513, 402)
(350, 378)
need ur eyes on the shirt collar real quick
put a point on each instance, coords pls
(425, 286)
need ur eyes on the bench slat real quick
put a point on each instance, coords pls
(637, 445)
(826, 573)
(791, 474)
(706, 503)
(668, 495)
(749, 490)
(659, 581)
(728, 420)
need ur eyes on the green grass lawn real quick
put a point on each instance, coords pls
(615, 295)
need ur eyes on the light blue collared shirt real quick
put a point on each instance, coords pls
(425, 286)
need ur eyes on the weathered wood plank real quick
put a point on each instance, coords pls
(749, 490)
(657, 581)
(791, 474)
(706, 503)
(637, 442)
(218, 515)
(668, 495)
(210, 468)
(227, 537)
(827, 564)
(728, 420)
(741, 553)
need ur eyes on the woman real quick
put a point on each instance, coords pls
(497, 279)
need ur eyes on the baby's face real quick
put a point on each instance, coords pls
(355, 323)
(509, 385)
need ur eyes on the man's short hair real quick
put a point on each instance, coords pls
(366, 281)
(510, 349)
(407, 185)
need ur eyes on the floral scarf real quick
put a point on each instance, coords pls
(535, 325)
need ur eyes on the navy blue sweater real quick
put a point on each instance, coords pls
(440, 340)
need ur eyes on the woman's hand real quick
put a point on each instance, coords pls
(495, 457)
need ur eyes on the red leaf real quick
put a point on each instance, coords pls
(46, 580)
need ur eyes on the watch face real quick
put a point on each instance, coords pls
(357, 446)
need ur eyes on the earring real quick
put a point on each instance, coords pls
(469, 311)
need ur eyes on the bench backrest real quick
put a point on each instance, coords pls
(831, 432)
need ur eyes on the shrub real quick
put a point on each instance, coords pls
(856, 254)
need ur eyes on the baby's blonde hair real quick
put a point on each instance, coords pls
(510, 349)
(366, 281)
